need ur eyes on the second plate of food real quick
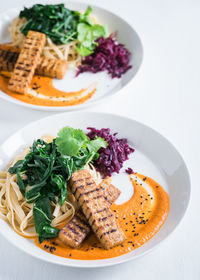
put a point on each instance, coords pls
(90, 189)
(90, 54)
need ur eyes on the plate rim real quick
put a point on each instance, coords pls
(116, 260)
(12, 100)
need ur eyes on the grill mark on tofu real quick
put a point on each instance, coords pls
(98, 220)
(105, 218)
(72, 230)
(102, 210)
(78, 226)
(86, 193)
(79, 187)
(31, 52)
(81, 218)
(108, 232)
(98, 196)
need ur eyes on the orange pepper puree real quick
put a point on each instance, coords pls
(44, 86)
(140, 218)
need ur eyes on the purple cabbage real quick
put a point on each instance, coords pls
(108, 56)
(129, 170)
(111, 158)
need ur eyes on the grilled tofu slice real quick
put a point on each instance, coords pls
(95, 207)
(54, 68)
(110, 192)
(8, 59)
(76, 230)
(27, 61)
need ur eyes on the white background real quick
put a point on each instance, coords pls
(165, 95)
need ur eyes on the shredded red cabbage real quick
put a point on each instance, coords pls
(111, 158)
(129, 170)
(108, 56)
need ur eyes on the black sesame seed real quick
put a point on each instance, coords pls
(51, 249)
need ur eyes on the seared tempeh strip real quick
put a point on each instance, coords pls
(95, 207)
(27, 61)
(54, 68)
(76, 230)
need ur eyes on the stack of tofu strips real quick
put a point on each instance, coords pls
(25, 62)
(94, 214)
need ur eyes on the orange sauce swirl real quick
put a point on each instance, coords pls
(43, 86)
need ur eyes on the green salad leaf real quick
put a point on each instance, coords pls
(87, 34)
(86, 16)
(43, 174)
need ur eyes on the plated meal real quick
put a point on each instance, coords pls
(80, 192)
(59, 192)
(53, 42)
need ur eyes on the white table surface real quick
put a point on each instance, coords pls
(164, 95)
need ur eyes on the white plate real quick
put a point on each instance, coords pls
(154, 156)
(106, 87)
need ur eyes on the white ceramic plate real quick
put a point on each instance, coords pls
(154, 156)
(106, 87)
